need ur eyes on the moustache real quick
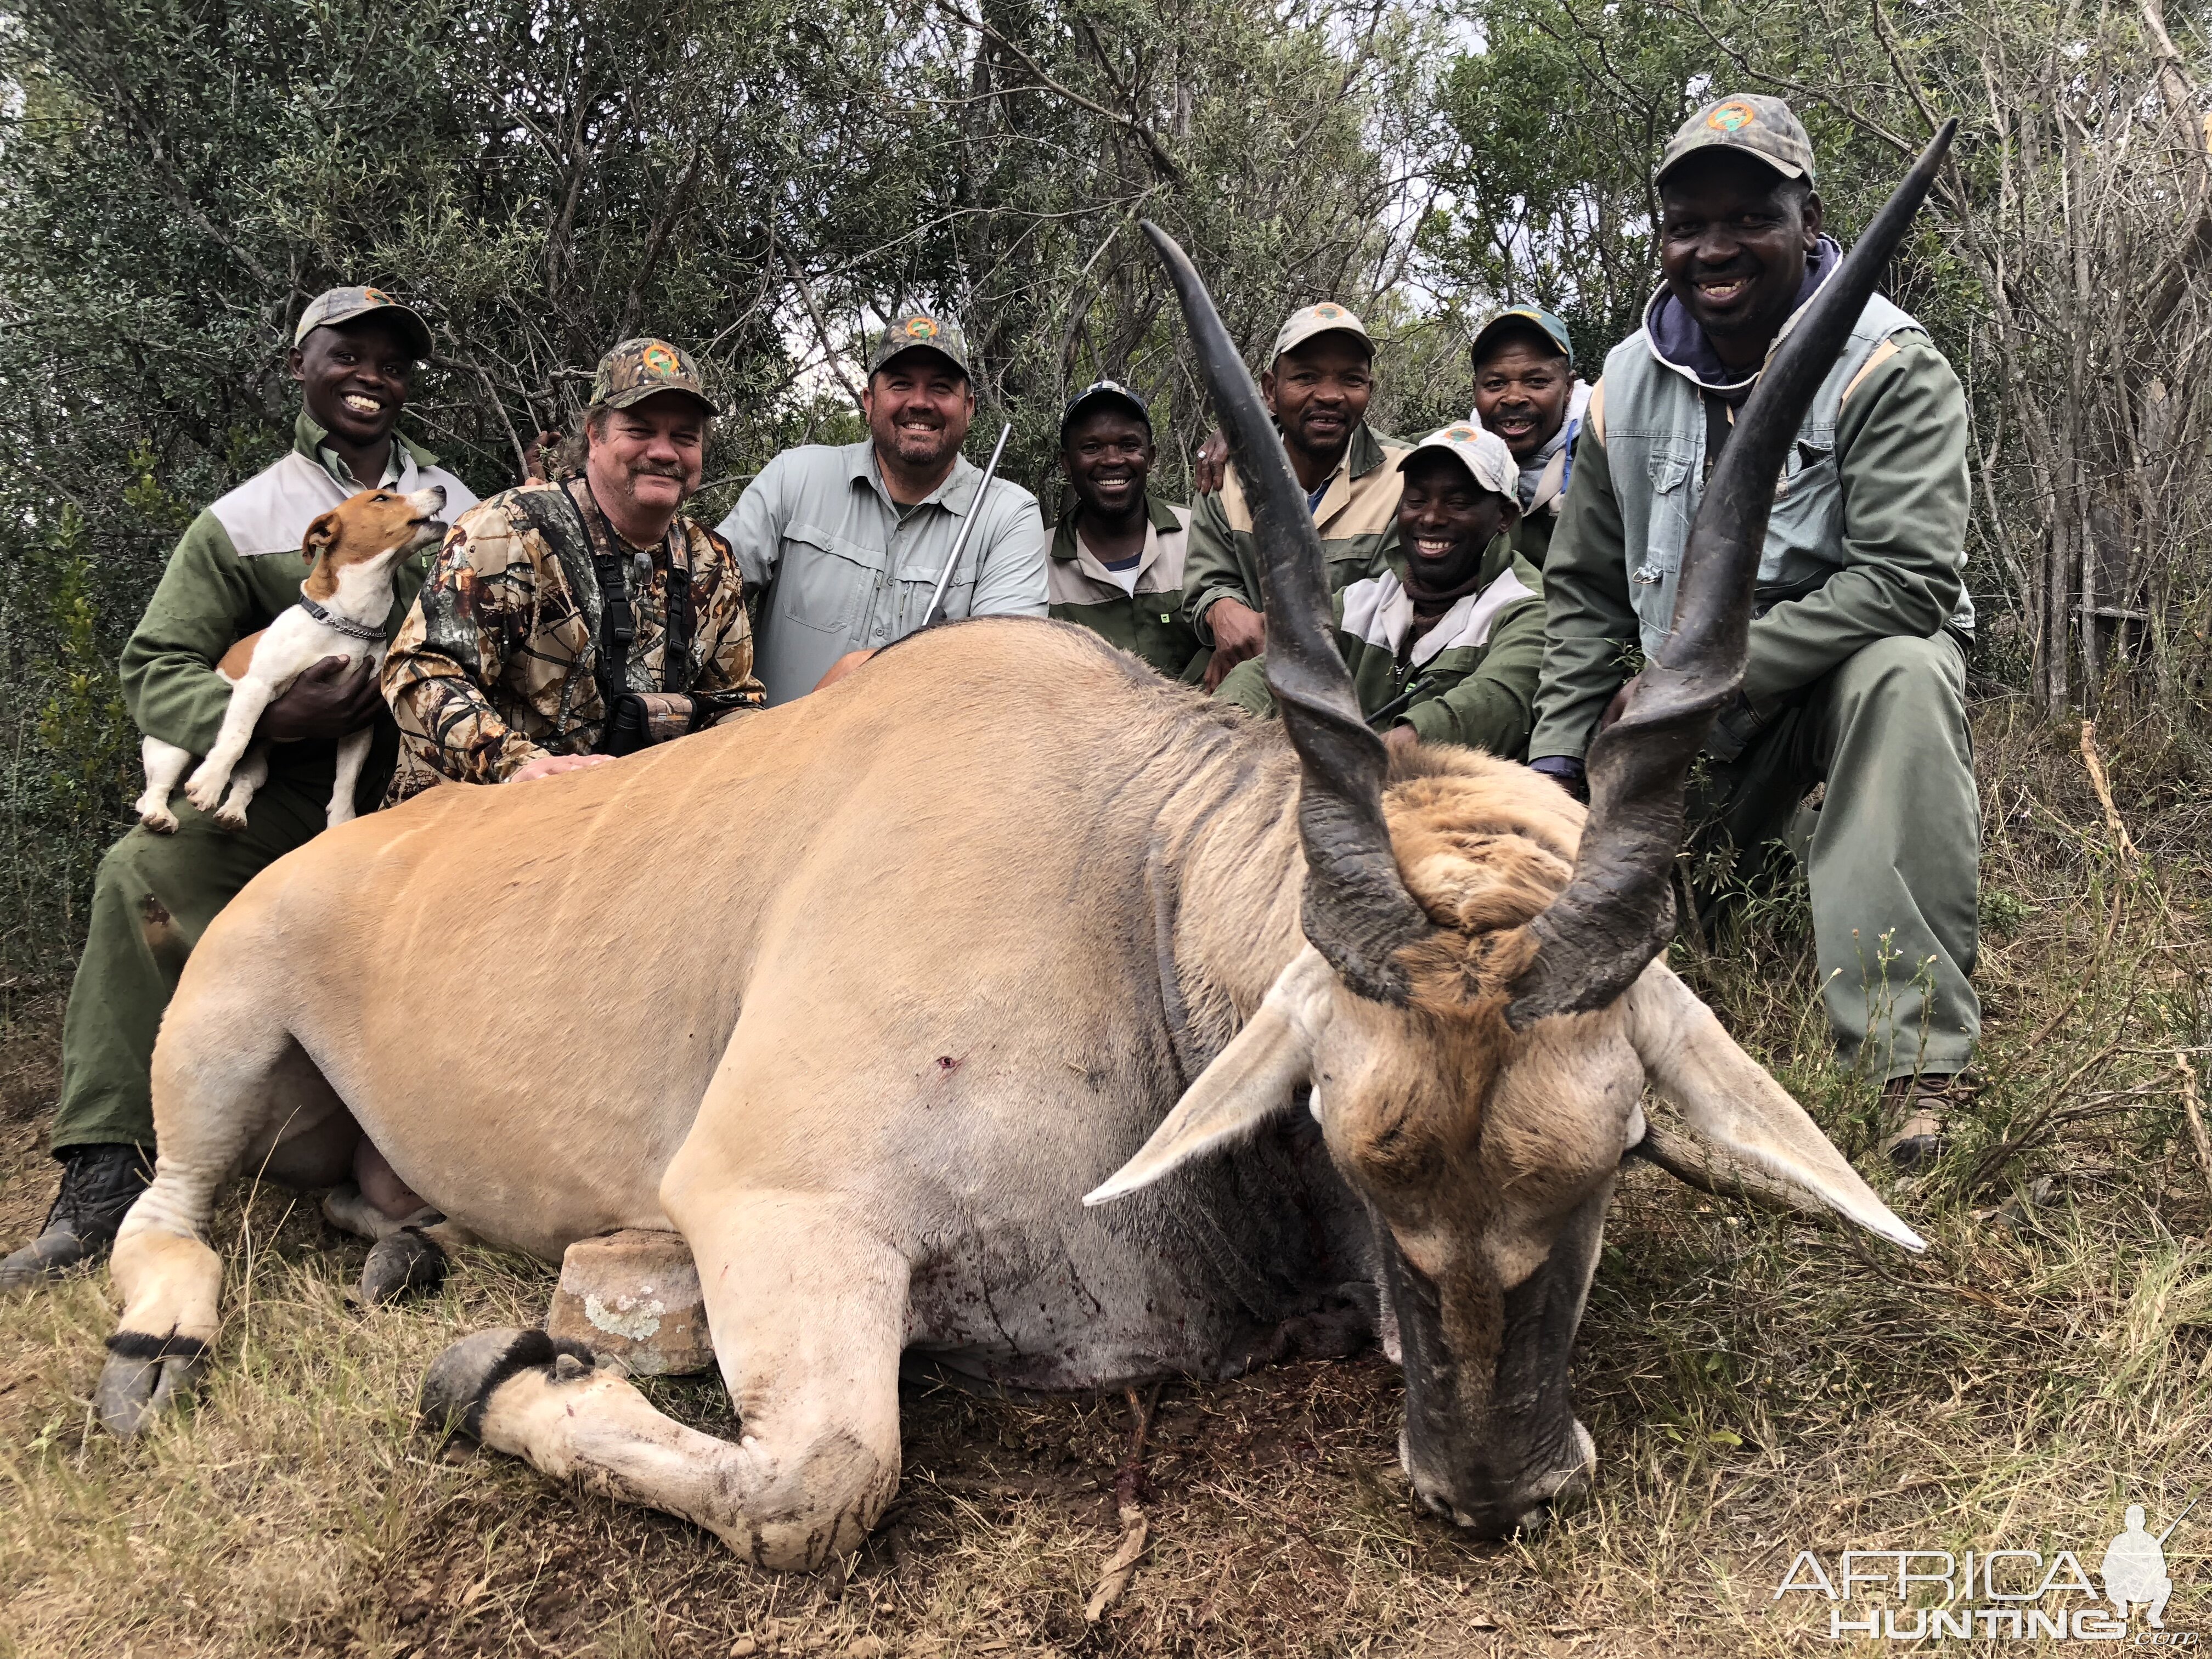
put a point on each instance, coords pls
(657, 470)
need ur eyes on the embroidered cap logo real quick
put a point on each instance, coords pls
(1731, 117)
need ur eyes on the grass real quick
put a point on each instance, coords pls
(1756, 1385)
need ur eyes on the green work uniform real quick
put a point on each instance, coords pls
(1357, 519)
(1469, 678)
(229, 575)
(1140, 609)
(1857, 676)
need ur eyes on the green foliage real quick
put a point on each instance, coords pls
(761, 179)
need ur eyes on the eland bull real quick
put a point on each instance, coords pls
(863, 995)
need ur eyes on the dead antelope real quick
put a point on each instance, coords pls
(863, 995)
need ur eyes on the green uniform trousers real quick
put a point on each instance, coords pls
(1894, 860)
(152, 900)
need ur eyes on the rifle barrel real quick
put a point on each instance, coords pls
(967, 527)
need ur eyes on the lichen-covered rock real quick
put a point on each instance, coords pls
(633, 1297)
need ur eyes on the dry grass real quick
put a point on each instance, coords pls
(1756, 1385)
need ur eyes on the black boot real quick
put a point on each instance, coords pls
(100, 1183)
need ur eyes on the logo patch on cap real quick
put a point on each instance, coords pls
(1731, 117)
(661, 360)
(376, 296)
(921, 328)
(1460, 435)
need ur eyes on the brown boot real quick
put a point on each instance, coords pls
(1919, 1111)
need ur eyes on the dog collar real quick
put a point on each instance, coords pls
(345, 625)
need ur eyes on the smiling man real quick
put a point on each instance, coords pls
(552, 606)
(1118, 551)
(845, 545)
(1445, 642)
(1857, 670)
(1318, 383)
(354, 355)
(1527, 391)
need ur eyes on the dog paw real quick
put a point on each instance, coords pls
(160, 819)
(230, 818)
(204, 792)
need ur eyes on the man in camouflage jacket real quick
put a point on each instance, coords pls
(495, 674)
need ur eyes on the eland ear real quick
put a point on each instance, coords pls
(1732, 1105)
(1249, 1082)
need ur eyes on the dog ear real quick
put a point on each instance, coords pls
(322, 536)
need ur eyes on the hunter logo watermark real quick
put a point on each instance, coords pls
(1997, 1595)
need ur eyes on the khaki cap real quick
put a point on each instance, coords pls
(920, 331)
(1326, 318)
(645, 367)
(343, 304)
(1763, 128)
(1482, 453)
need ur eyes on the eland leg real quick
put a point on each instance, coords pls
(808, 1313)
(226, 1074)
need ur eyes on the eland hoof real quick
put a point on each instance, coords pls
(409, 1260)
(462, 1380)
(145, 1379)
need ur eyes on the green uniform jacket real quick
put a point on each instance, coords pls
(1148, 622)
(1900, 458)
(1357, 520)
(220, 587)
(1472, 676)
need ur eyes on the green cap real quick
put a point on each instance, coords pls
(1761, 127)
(1482, 452)
(343, 304)
(1522, 318)
(919, 330)
(645, 367)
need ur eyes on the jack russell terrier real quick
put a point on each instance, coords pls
(355, 548)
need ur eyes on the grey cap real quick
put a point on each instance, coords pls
(343, 304)
(1763, 128)
(1482, 453)
(1311, 321)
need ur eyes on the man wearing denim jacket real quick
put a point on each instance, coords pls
(1857, 667)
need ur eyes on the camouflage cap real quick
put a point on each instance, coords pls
(920, 331)
(645, 367)
(1323, 318)
(343, 304)
(1764, 128)
(1482, 453)
(1522, 320)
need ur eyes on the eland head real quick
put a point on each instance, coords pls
(1479, 1006)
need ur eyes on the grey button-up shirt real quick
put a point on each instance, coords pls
(818, 533)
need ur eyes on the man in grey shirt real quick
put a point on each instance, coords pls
(846, 543)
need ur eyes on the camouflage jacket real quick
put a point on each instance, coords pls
(496, 663)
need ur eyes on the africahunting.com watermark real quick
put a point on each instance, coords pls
(1996, 1595)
